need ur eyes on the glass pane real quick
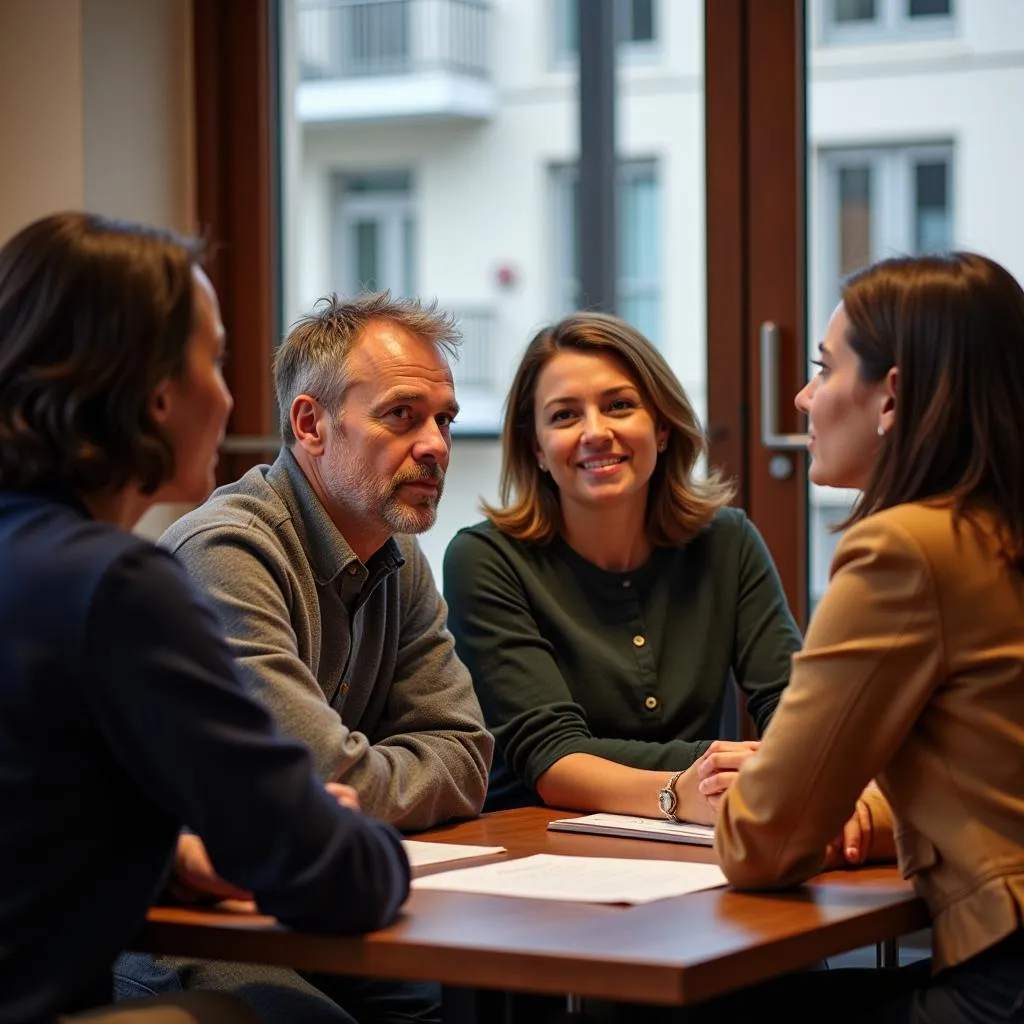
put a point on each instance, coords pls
(900, 162)
(365, 237)
(846, 11)
(928, 8)
(638, 227)
(643, 311)
(457, 182)
(931, 208)
(854, 218)
(634, 23)
(642, 22)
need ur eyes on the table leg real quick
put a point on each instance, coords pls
(887, 953)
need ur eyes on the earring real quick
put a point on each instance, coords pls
(881, 430)
(541, 466)
(662, 445)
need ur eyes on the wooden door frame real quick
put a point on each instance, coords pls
(755, 158)
(237, 199)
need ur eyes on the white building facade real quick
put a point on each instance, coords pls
(430, 148)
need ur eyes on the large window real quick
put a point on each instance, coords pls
(639, 283)
(865, 21)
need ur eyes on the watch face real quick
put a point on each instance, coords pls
(667, 800)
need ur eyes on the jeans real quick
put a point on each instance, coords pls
(279, 994)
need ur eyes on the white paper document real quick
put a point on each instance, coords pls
(545, 876)
(421, 854)
(630, 826)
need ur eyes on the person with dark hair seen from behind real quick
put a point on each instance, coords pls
(912, 672)
(122, 718)
(604, 607)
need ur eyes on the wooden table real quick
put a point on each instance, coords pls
(670, 952)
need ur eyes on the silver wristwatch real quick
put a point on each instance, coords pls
(668, 800)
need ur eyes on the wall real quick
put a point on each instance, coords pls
(97, 114)
(41, 118)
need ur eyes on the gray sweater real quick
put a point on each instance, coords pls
(354, 659)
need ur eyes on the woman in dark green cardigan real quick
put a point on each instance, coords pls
(603, 609)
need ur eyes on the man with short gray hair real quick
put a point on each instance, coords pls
(325, 596)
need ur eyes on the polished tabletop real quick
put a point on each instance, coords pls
(671, 951)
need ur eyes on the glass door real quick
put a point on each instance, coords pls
(905, 152)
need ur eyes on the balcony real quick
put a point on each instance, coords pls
(475, 372)
(376, 60)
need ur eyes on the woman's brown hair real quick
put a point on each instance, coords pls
(93, 314)
(678, 506)
(953, 326)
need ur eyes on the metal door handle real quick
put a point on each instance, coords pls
(770, 435)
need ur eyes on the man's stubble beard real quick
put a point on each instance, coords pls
(402, 517)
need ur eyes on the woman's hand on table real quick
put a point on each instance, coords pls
(713, 773)
(852, 846)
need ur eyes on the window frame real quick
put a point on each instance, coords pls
(392, 209)
(892, 23)
(565, 287)
(892, 217)
(629, 51)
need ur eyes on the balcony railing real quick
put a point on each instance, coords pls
(360, 38)
(475, 366)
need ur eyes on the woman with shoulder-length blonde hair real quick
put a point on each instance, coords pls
(603, 607)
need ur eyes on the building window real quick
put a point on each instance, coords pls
(866, 21)
(876, 203)
(376, 233)
(639, 279)
(635, 26)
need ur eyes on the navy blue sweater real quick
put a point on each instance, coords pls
(122, 721)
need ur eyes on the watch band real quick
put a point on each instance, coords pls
(672, 797)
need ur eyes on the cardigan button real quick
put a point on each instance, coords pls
(639, 641)
(651, 703)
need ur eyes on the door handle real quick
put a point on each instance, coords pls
(771, 437)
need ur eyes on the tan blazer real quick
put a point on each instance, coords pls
(912, 673)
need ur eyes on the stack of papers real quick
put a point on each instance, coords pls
(631, 827)
(580, 879)
(420, 854)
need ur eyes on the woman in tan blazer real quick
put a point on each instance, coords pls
(912, 671)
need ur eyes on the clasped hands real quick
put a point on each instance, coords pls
(194, 880)
(702, 786)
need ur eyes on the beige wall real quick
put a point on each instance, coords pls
(97, 114)
(97, 110)
(41, 129)
(137, 110)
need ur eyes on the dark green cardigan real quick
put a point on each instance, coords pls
(633, 667)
